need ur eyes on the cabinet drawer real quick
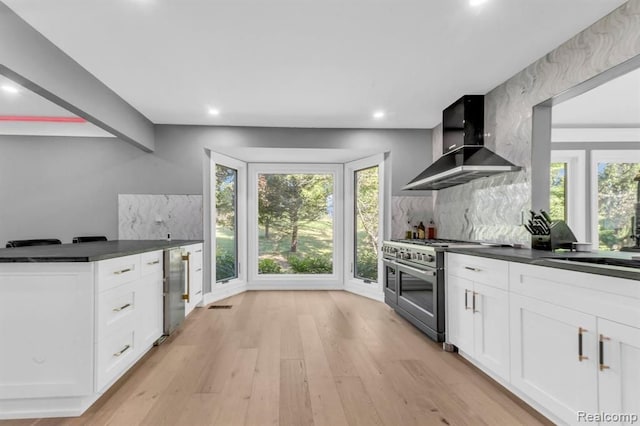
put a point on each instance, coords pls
(115, 307)
(115, 354)
(491, 272)
(151, 262)
(113, 272)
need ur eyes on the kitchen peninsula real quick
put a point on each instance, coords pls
(73, 319)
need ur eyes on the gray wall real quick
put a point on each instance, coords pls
(63, 187)
(489, 209)
(34, 62)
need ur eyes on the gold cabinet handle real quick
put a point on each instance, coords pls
(122, 271)
(603, 339)
(472, 269)
(155, 262)
(187, 259)
(121, 308)
(123, 350)
(466, 300)
(199, 269)
(474, 302)
(581, 331)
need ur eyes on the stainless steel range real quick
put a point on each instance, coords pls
(414, 281)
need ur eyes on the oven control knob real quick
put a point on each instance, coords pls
(430, 258)
(407, 256)
(399, 254)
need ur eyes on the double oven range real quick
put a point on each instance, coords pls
(414, 281)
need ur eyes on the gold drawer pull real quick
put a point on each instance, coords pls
(199, 251)
(603, 366)
(581, 331)
(122, 271)
(121, 308)
(199, 269)
(155, 262)
(472, 269)
(187, 296)
(126, 348)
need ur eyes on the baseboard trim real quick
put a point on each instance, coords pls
(223, 292)
(364, 290)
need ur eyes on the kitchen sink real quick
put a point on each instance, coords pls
(600, 261)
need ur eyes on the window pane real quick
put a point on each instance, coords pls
(366, 214)
(617, 197)
(226, 229)
(295, 221)
(558, 192)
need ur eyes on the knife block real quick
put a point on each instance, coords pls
(560, 237)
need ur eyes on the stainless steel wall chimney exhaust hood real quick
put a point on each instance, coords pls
(465, 157)
(461, 166)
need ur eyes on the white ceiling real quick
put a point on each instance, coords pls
(25, 104)
(305, 63)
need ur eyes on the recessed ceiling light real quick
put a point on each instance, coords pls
(10, 89)
(475, 3)
(214, 111)
(378, 115)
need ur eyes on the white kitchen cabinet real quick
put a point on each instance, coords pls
(618, 368)
(70, 330)
(194, 277)
(478, 310)
(559, 321)
(460, 327)
(46, 329)
(545, 356)
(150, 299)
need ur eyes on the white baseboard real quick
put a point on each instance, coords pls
(223, 292)
(294, 285)
(365, 290)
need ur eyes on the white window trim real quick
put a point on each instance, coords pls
(236, 285)
(608, 156)
(576, 191)
(353, 284)
(295, 282)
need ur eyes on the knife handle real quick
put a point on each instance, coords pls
(546, 216)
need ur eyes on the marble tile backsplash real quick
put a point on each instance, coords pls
(152, 217)
(409, 209)
(490, 208)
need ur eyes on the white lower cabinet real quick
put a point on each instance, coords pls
(573, 345)
(575, 342)
(545, 356)
(478, 313)
(491, 329)
(194, 283)
(618, 368)
(69, 330)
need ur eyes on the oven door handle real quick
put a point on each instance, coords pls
(416, 270)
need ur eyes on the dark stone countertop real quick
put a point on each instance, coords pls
(86, 252)
(546, 258)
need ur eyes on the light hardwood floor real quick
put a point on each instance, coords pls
(301, 358)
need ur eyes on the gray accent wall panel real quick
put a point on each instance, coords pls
(490, 208)
(57, 187)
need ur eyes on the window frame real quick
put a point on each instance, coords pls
(241, 220)
(605, 156)
(576, 202)
(352, 283)
(295, 281)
